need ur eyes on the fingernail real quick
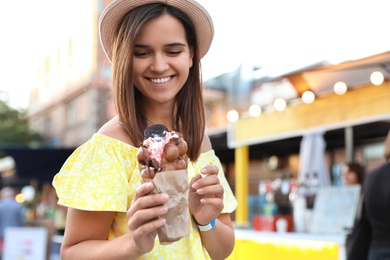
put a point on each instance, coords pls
(164, 209)
(195, 185)
(203, 171)
(200, 191)
(148, 184)
(164, 197)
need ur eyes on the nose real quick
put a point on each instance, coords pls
(159, 63)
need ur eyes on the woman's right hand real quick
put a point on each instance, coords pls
(144, 216)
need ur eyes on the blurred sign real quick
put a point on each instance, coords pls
(335, 209)
(25, 243)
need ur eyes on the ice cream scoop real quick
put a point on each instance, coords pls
(161, 150)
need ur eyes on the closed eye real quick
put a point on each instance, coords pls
(140, 54)
(141, 50)
(173, 49)
(174, 53)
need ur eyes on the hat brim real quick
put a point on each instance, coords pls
(115, 11)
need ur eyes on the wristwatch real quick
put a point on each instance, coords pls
(206, 227)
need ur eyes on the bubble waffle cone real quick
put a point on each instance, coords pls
(163, 160)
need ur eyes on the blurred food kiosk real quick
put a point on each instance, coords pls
(257, 237)
(323, 237)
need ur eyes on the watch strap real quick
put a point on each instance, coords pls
(207, 227)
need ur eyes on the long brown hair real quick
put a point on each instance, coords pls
(189, 115)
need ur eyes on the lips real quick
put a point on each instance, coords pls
(160, 80)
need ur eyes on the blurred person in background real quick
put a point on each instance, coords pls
(377, 207)
(11, 213)
(352, 173)
(372, 238)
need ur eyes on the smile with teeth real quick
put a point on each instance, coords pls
(161, 80)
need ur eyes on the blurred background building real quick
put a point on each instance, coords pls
(71, 96)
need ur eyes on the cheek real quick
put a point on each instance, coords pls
(138, 70)
(185, 66)
(185, 62)
(137, 67)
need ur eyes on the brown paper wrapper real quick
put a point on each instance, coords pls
(177, 225)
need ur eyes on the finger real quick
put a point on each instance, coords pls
(149, 201)
(148, 228)
(210, 170)
(216, 202)
(193, 183)
(213, 190)
(144, 216)
(208, 180)
(143, 190)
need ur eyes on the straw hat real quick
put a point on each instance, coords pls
(115, 11)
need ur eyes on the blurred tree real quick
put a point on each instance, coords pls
(14, 128)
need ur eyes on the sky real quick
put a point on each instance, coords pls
(277, 35)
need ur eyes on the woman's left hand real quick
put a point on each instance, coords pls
(205, 196)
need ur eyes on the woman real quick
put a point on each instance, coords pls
(352, 173)
(155, 47)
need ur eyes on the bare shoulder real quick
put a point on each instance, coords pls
(114, 130)
(206, 144)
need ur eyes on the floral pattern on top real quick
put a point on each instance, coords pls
(103, 174)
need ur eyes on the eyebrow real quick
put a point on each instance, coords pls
(174, 44)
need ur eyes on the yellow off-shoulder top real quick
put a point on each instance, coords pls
(103, 174)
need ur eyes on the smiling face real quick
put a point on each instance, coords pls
(162, 59)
